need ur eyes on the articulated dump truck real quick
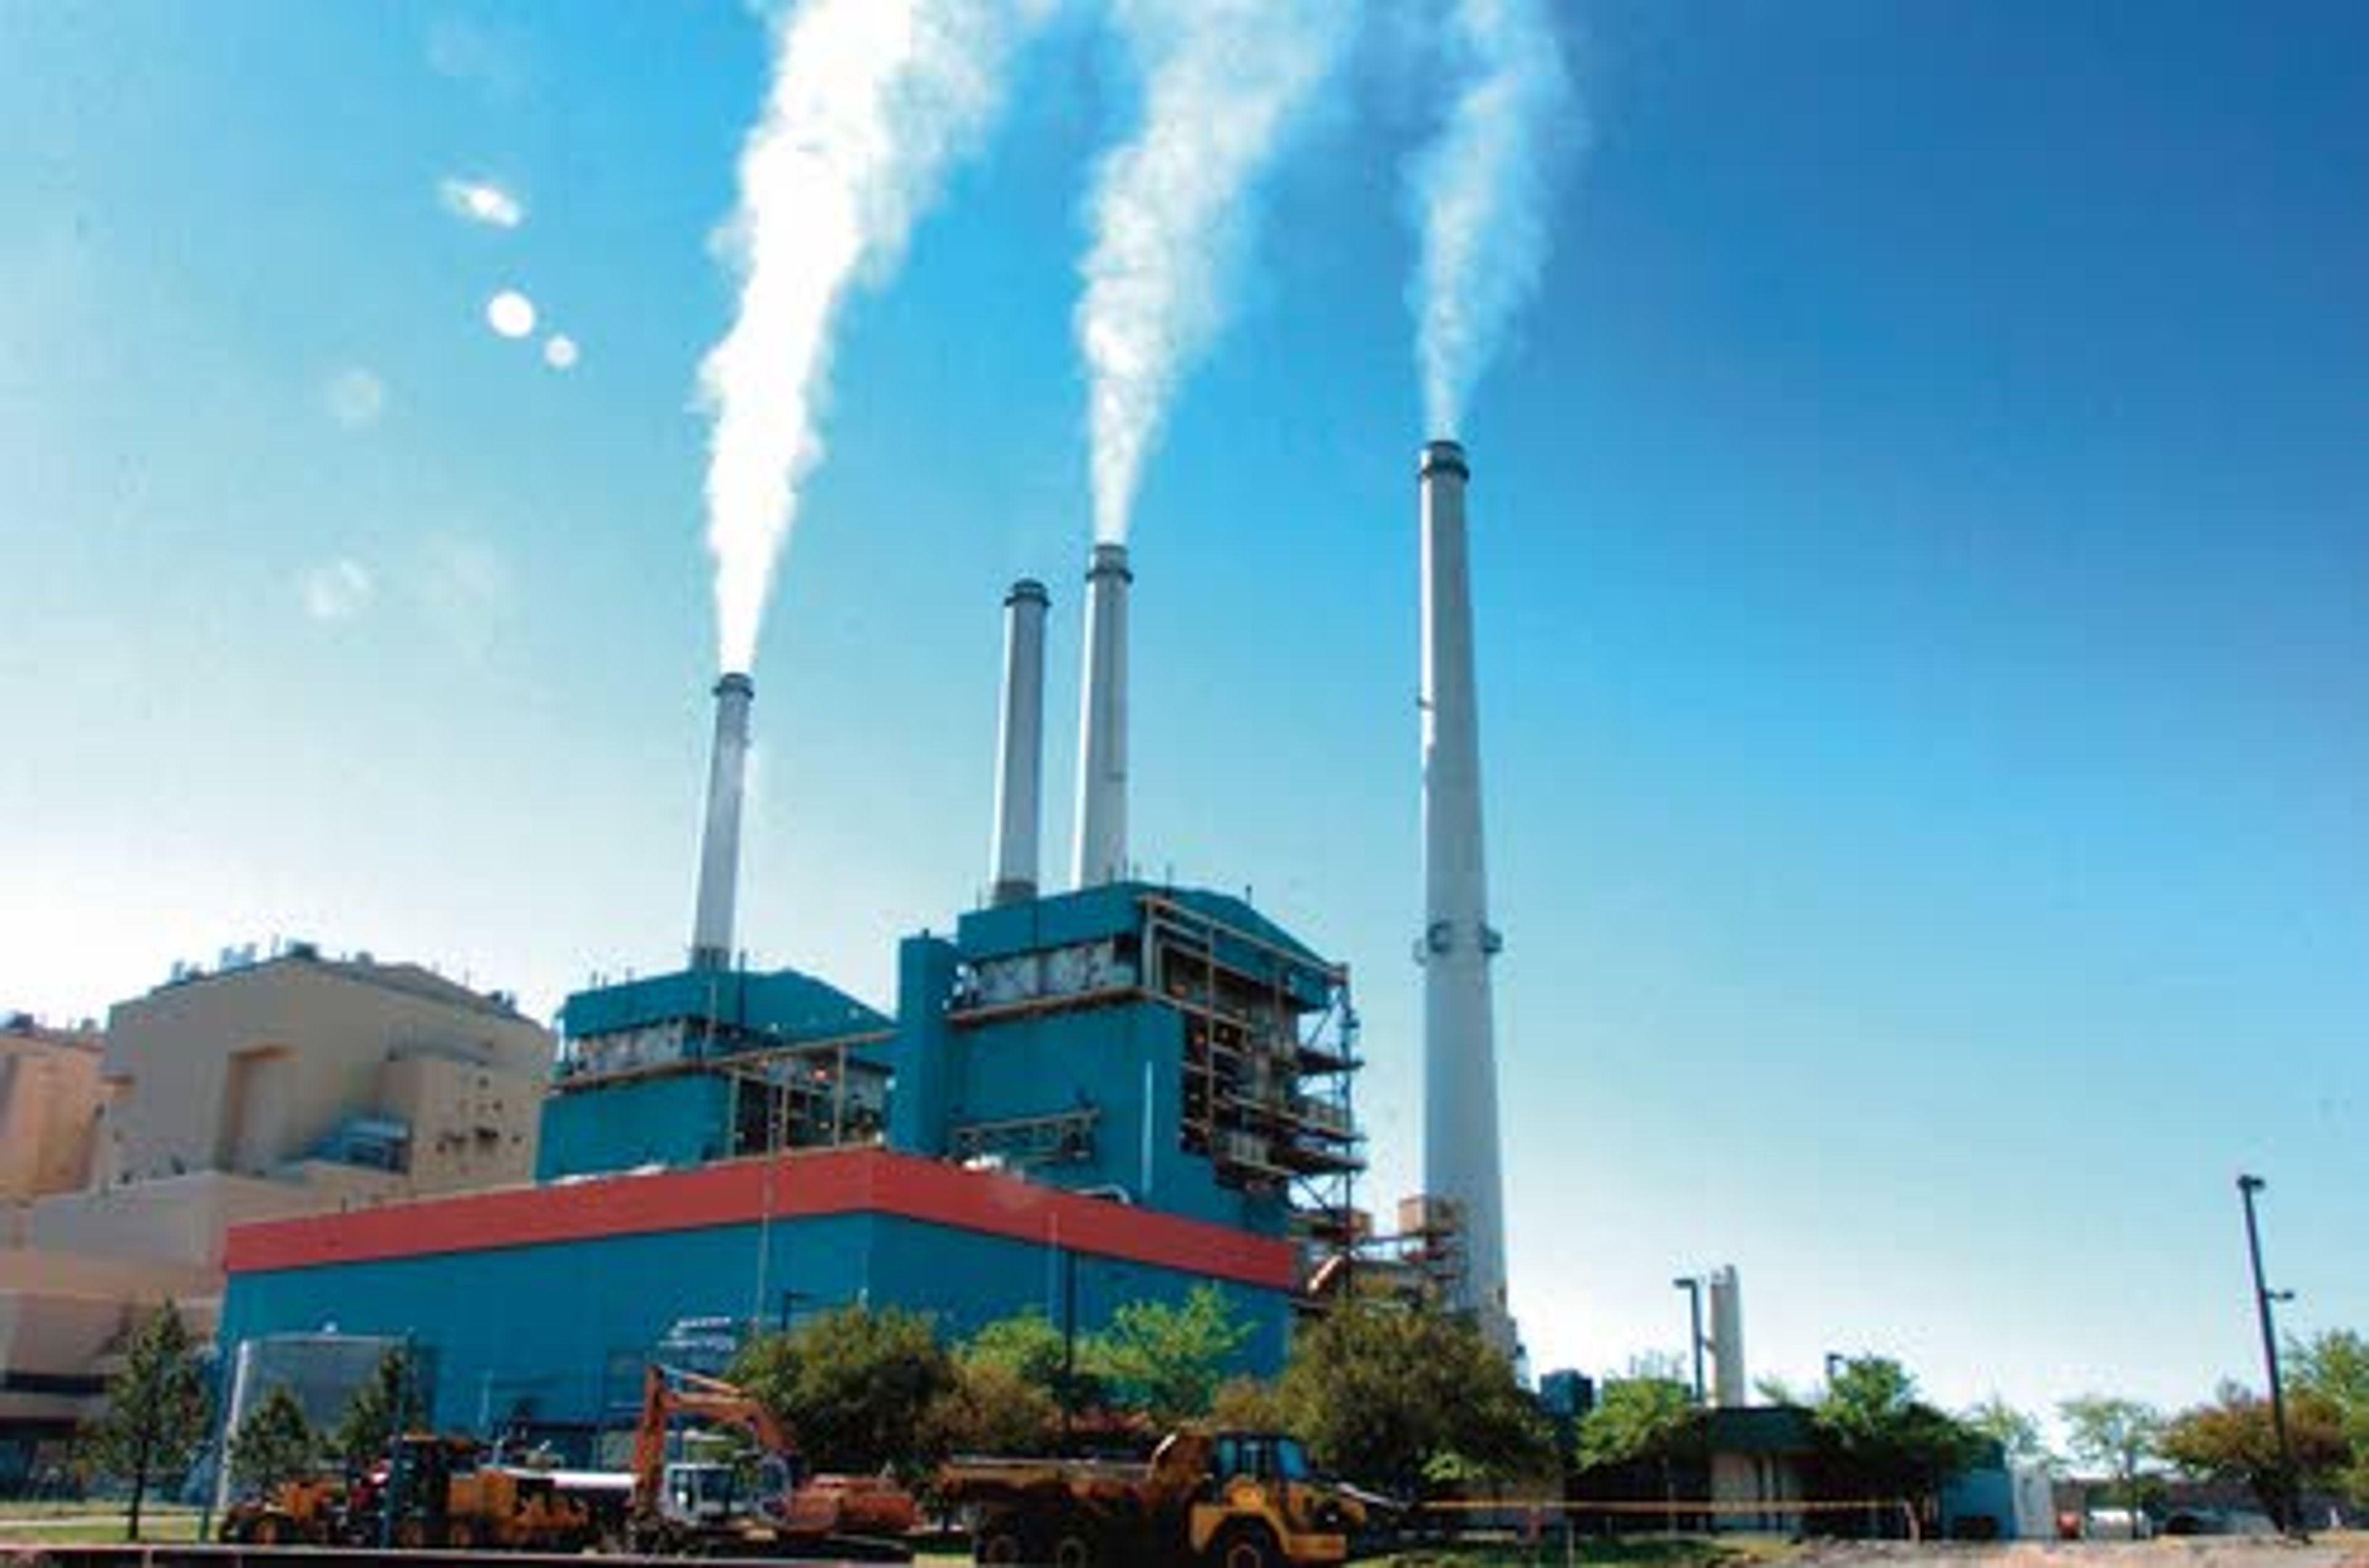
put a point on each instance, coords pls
(1228, 1499)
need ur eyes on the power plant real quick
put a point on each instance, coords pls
(1119, 1091)
(1087, 1092)
(1134, 1088)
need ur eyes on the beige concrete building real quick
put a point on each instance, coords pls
(301, 1058)
(261, 1090)
(49, 1099)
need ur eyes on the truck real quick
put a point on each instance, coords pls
(429, 1492)
(1222, 1498)
(438, 1493)
(309, 1510)
(707, 1508)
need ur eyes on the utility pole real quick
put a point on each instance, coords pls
(1069, 1351)
(2290, 1497)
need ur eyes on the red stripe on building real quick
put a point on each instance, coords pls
(831, 1182)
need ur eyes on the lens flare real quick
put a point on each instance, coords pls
(511, 313)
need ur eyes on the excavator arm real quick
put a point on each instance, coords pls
(794, 1503)
(668, 1394)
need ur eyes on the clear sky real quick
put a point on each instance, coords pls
(1922, 536)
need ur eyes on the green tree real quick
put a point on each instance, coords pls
(1637, 1419)
(856, 1386)
(159, 1410)
(1166, 1359)
(1641, 1423)
(1030, 1346)
(273, 1444)
(2118, 1436)
(2234, 1439)
(2334, 1366)
(1882, 1437)
(1248, 1404)
(1387, 1393)
(388, 1404)
(2016, 1433)
(988, 1407)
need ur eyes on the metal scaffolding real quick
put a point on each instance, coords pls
(1270, 1053)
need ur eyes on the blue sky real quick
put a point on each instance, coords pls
(1922, 532)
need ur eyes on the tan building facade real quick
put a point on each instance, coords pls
(262, 1091)
(50, 1100)
(256, 1069)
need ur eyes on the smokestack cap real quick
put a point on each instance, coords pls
(1027, 589)
(734, 681)
(1109, 560)
(1444, 457)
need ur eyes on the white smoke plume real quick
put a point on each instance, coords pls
(870, 101)
(1222, 81)
(1482, 190)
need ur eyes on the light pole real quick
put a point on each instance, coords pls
(1069, 1351)
(1693, 1287)
(2290, 1503)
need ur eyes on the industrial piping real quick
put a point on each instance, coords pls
(1461, 1143)
(1102, 723)
(719, 851)
(1020, 745)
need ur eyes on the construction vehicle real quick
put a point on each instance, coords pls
(308, 1510)
(429, 1492)
(713, 1508)
(436, 1492)
(1228, 1499)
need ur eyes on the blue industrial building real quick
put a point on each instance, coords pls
(1106, 1095)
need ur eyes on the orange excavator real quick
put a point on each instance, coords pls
(707, 1508)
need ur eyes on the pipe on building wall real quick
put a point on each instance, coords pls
(719, 849)
(1020, 745)
(1461, 1129)
(1102, 722)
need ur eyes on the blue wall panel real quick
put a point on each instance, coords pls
(676, 1122)
(563, 1326)
(546, 1323)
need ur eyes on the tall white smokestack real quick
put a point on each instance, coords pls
(1102, 723)
(1460, 1143)
(720, 846)
(1020, 745)
(1728, 1391)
